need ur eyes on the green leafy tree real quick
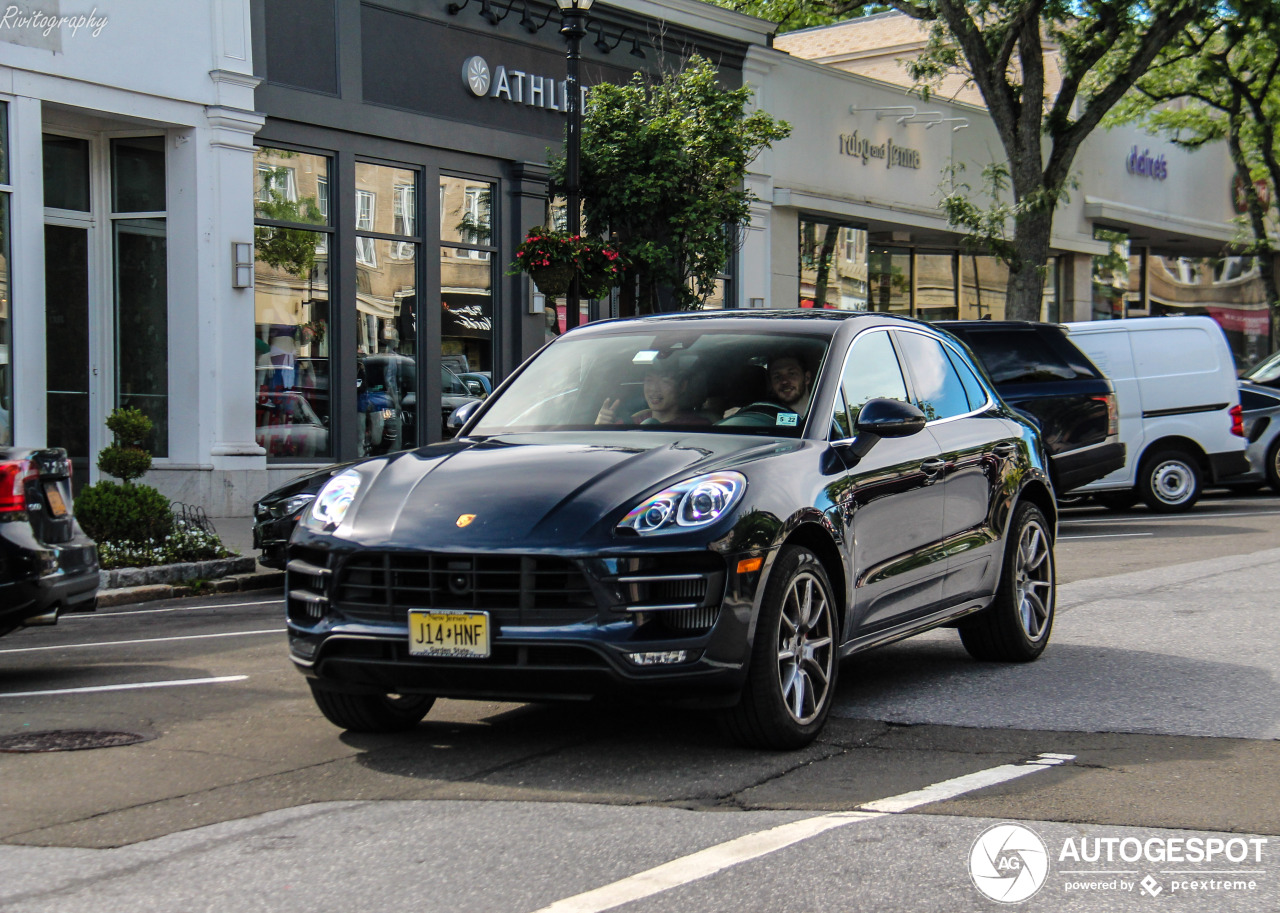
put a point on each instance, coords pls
(290, 249)
(1225, 71)
(1102, 47)
(661, 175)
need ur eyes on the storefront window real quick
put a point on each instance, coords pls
(984, 282)
(467, 258)
(1111, 272)
(386, 343)
(140, 247)
(833, 266)
(936, 286)
(1230, 290)
(292, 241)
(6, 369)
(889, 280)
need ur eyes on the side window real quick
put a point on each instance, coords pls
(871, 372)
(973, 388)
(841, 421)
(939, 392)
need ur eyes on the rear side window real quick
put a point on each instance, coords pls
(973, 388)
(938, 390)
(1251, 399)
(1026, 356)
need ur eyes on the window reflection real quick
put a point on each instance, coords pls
(984, 281)
(291, 186)
(386, 348)
(466, 275)
(833, 266)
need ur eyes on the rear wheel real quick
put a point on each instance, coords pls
(1169, 481)
(792, 676)
(371, 712)
(1273, 466)
(1015, 627)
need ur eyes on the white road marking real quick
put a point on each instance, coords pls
(145, 640)
(714, 859)
(182, 608)
(1152, 518)
(1107, 536)
(136, 685)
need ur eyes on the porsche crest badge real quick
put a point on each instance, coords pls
(465, 520)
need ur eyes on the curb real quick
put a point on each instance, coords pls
(237, 583)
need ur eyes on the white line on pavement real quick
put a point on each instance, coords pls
(180, 608)
(1153, 518)
(145, 640)
(1107, 536)
(714, 859)
(186, 681)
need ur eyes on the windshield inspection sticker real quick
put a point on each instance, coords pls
(788, 419)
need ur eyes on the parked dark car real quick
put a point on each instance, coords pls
(1038, 371)
(1261, 425)
(868, 486)
(48, 566)
(276, 513)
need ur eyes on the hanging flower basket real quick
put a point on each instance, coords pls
(552, 257)
(553, 281)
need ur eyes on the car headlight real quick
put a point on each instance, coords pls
(334, 500)
(692, 503)
(290, 507)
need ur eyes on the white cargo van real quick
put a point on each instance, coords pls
(1179, 403)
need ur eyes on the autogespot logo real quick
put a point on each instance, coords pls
(1008, 863)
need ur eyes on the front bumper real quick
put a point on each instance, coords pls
(575, 648)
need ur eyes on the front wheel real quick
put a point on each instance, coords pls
(792, 676)
(1015, 627)
(1169, 481)
(1273, 466)
(371, 712)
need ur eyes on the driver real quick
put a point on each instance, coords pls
(665, 389)
(790, 386)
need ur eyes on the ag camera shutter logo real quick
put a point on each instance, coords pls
(1008, 863)
(475, 73)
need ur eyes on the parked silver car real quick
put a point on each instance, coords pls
(1262, 431)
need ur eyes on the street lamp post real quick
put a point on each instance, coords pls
(573, 26)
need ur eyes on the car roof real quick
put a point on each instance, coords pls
(805, 321)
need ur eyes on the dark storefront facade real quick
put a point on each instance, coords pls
(403, 158)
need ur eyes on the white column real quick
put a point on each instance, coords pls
(26, 288)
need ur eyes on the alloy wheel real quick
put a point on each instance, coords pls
(806, 648)
(1033, 580)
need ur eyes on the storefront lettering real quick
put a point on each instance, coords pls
(516, 86)
(894, 156)
(1147, 166)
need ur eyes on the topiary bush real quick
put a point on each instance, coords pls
(127, 459)
(124, 513)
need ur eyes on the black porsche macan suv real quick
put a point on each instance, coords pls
(699, 508)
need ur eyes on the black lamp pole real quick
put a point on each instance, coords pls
(573, 26)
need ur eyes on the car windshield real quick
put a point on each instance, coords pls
(674, 379)
(1265, 371)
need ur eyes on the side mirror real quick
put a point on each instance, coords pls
(881, 418)
(459, 416)
(475, 388)
(889, 418)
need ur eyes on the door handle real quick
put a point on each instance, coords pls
(1004, 449)
(933, 467)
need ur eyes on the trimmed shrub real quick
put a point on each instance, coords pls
(126, 459)
(123, 513)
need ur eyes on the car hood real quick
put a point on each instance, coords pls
(530, 491)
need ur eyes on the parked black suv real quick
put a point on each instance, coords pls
(48, 567)
(1040, 372)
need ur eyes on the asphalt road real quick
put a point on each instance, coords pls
(1150, 723)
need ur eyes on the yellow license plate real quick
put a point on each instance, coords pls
(458, 634)
(57, 506)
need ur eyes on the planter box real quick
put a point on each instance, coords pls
(175, 573)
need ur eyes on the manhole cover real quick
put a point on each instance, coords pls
(69, 740)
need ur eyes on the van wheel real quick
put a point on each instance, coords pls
(1117, 500)
(1169, 481)
(1015, 627)
(1273, 466)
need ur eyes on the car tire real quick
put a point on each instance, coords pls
(794, 662)
(1118, 501)
(1015, 628)
(1273, 466)
(1169, 481)
(371, 712)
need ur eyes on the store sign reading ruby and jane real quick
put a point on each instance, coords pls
(516, 86)
(893, 155)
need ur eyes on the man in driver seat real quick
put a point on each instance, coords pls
(790, 389)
